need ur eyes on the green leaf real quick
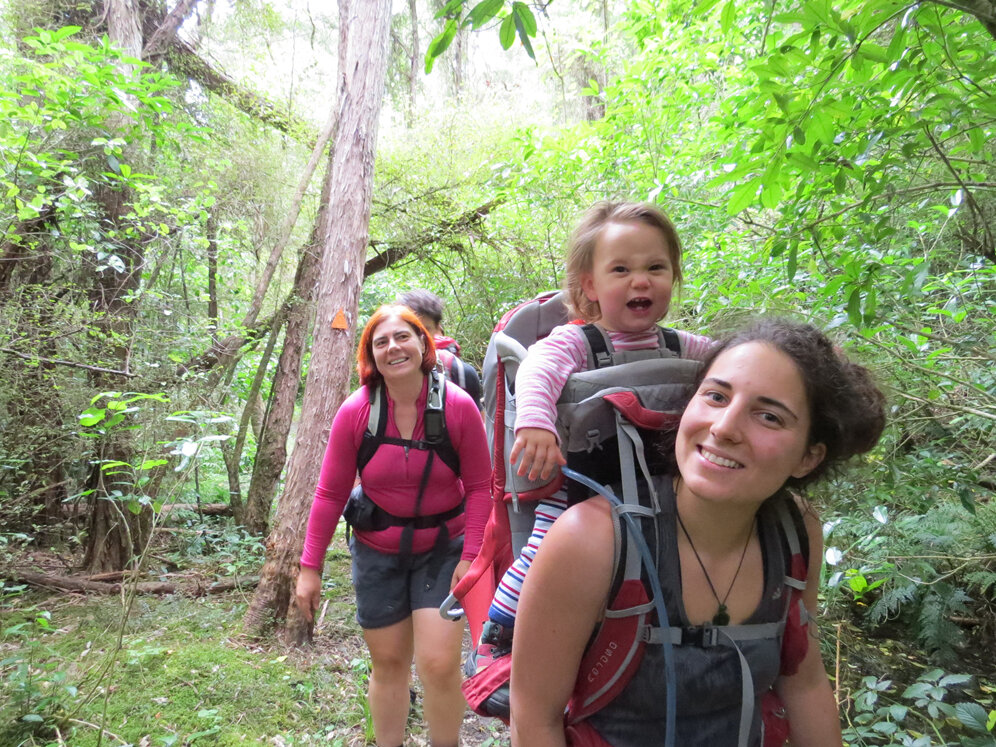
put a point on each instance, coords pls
(526, 17)
(451, 8)
(870, 306)
(967, 499)
(523, 36)
(438, 45)
(791, 262)
(65, 31)
(728, 17)
(506, 34)
(91, 416)
(742, 196)
(949, 680)
(854, 307)
(973, 717)
(704, 7)
(898, 44)
(771, 194)
(898, 712)
(483, 12)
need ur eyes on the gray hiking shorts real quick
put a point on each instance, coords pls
(388, 587)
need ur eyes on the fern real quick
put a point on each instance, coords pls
(892, 600)
(984, 581)
(936, 632)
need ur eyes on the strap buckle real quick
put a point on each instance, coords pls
(703, 636)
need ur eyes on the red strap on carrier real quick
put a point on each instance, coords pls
(633, 410)
(614, 655)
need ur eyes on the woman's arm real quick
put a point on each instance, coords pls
(814, 719)
(336, 480)
(563, 597)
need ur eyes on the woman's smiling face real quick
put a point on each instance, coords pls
(746, 429)
(397, 348)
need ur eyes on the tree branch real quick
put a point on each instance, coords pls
(983, 10)
(166, 31)
(390, 254)
(71, 364)
(184, 60)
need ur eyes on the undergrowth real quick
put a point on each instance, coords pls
(185, 674)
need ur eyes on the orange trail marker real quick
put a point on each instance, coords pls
(339, 322)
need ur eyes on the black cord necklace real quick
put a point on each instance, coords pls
(722, 616)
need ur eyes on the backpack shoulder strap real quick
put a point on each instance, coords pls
(670, 340)
(599, 346)
(457, 372)
(376, 423)
(440, 442)
(793, 528)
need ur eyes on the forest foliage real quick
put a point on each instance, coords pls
(834, 161)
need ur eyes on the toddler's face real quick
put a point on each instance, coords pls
(631, 276)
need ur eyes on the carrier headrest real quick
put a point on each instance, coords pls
(628, 403)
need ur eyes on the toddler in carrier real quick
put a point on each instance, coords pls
(623, 261)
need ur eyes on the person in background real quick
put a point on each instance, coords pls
(776, 407)
(427, 526)
(429, 308)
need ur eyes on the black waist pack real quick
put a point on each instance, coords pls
(362, 514)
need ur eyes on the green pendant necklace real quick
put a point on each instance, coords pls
(722, 616)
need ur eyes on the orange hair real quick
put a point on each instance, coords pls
(365, 366)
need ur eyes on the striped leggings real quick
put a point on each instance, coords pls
(506, 600)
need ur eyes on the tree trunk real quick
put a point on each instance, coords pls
(343, 233)
(271, 453)
(414, 57)
(115, 535)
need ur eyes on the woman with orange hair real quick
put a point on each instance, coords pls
(425, 496)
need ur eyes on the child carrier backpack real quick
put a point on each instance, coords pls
(601, 427)
(597, 439)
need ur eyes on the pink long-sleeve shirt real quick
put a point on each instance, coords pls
(392, 478)
(550, 361)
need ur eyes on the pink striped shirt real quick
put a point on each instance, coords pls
(563, 352)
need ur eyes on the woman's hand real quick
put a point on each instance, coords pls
(308, 592)
(459, 572)
(539, 450)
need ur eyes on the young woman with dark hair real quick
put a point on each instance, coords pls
(777, 406)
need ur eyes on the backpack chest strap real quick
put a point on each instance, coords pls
(602, 353)
(707, 636)
(435, 407)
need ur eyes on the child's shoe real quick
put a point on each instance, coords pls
(496, 642)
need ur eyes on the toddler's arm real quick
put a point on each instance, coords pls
(539, 450)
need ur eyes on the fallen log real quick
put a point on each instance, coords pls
(207, 509)
(72, 584)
